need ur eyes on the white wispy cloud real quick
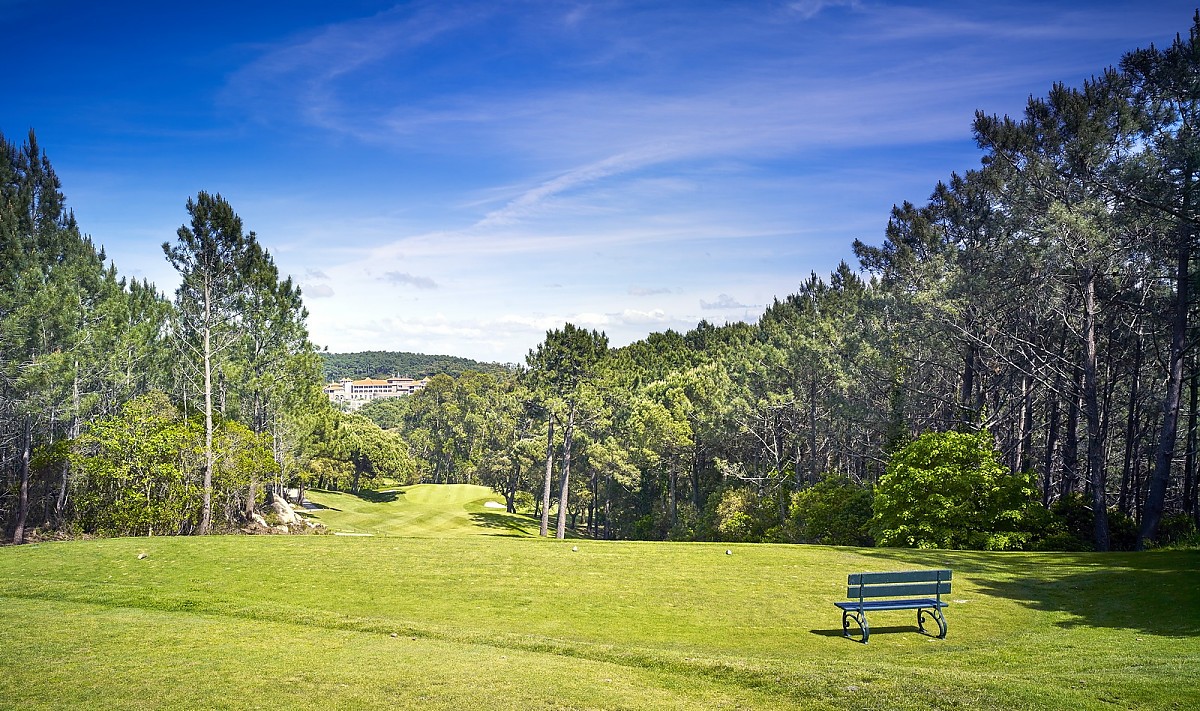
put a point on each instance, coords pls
(724, 301)
(318, 291)
(406, 279)
(808, 9)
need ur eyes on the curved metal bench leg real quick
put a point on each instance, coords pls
(859, 618)
(937, 616)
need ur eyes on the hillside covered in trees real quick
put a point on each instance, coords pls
(1010, 365)
(1041, 305)
(375, 364)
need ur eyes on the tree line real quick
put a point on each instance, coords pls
(1011, 367)
(383, 364)
(1043, 300)
(123, 412)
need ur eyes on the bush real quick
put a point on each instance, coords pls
(950, 490)
(740, 515)
(1067, 526)
(523, 502)
(685, 526)
(1178, 530)
(835, 511)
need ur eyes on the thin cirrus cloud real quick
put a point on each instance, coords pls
(724, 301)
(647, 291)
(406, 279)
(319, 291)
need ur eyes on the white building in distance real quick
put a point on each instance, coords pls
(356, 393)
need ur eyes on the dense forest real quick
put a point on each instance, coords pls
(383, 364)
(1009, 366)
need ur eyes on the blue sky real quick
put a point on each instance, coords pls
(459, 177)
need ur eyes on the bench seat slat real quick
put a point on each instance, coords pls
(868, 605)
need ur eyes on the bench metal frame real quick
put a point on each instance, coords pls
(898, 584)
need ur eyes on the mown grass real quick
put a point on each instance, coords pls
(423, 510)
(524, 623)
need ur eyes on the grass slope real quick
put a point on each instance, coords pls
(524, 623)
(438, 510)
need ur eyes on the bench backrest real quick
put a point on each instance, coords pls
(903, 583)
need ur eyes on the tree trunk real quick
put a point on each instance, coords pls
(209, 457)
(545, 530)
(23, 495)
(510, 494)
(60, 502)
(672, 494)
(813, 467)
(1095, 454)
(1070, 458)
(1157, 494)
(568, 434)
(968, 413)
(608, 532)
(1189, 466)
(1132, 431)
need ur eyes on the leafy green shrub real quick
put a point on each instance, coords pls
(523, 502)
(644, 529)
(739, 515)
(950, 490)
(1178, 530)
(687, 519)
(137, 471)
(834, 511)
(1068, 526)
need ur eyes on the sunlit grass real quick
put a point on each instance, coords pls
(524, 623)
(419, 511)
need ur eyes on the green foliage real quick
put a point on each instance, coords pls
(367, 364)
(137, 471)
(834, 511)
(349, 450)
(387, 412)
(1068, 526)
(1179, 531)
(739, 515)
(950, 490)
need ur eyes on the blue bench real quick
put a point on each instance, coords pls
(913, 587)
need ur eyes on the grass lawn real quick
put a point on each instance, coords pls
(496, 621)
(420, 511)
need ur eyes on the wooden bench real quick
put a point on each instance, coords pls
(914, 587)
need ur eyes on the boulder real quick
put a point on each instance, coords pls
(284, 512)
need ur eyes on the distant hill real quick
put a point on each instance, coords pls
(369, 364)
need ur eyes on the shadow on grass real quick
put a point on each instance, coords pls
(378, 497)
(369, 495)
(1154, 592)
(505, 524)
(911, 629)
(313, 506)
